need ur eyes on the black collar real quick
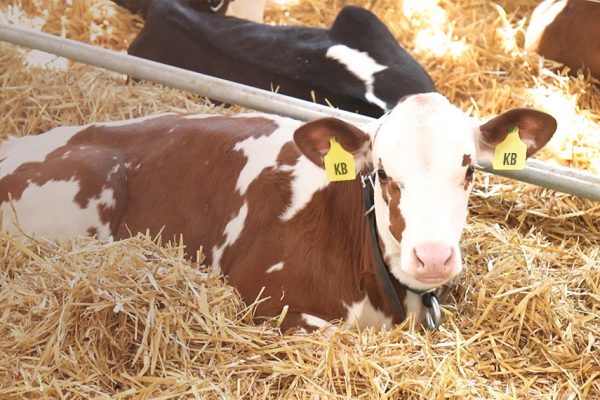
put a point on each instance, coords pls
(430, 301)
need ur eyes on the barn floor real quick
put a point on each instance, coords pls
(134, 319)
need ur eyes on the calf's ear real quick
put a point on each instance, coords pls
(313, 140)
(535, 129)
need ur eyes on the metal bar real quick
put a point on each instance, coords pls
(567, 180)
(204, 85)
(556, 177)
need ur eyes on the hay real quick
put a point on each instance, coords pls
(134, 319)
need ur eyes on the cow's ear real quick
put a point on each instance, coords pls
(535, 129)
(313, 140)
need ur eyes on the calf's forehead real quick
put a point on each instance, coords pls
(424, 132)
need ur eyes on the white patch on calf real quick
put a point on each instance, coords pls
(201, 116)
(361, 65)
(113, 171)
(67, 218)
(131, 121)
(413, 304)
(366, 315)
(232, 232)
(314, 321)
(262, 152)
(307, 179)
(277, 267)
(27, 149)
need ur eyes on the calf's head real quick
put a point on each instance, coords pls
(424, 152)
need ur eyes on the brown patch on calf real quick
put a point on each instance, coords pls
(57, 167)
(466, 161)
(390, 192)
(288, 155)
(396, 221)
(87, 166)
(186, 180)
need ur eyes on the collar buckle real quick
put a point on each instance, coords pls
(433, 312)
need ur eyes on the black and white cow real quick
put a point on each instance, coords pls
(141, 6)
(247, 9)
(356, 65)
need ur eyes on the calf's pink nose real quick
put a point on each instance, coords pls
(433, 258)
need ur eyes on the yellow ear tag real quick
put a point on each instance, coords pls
(511, 153)
(339, 164)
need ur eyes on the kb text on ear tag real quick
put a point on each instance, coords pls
(511, 153)
(339, 164)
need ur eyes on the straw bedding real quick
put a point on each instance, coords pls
(134, 319)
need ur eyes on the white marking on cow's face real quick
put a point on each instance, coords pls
(232, 232)
(366, 315)
(361, 65)
(34, 219)
(262, 152)
(277, 267)
(421, 146)
(17, 151)
(307, 179)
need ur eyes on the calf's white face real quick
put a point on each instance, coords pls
(424, 152)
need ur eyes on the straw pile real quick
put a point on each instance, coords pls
(134, 319)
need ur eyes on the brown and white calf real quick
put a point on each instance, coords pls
(252, 191)
(567, 31)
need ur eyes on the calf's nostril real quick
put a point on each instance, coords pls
(420, 262)
(449, 259)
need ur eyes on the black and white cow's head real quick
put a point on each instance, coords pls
(424, 152)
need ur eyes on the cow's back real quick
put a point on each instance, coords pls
(172, 173)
